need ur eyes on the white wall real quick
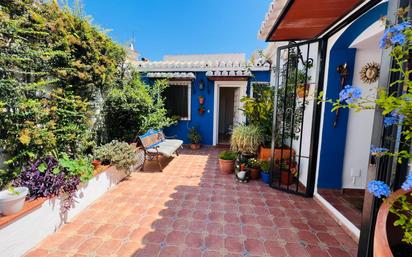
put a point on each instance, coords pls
(360, 124)
(27, 231)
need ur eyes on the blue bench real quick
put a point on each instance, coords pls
(154, 143)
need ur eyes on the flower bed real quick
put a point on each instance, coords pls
(32, 225)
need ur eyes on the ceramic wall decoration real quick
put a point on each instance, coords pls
(370, 72)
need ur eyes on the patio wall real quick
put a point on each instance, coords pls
(27, 231)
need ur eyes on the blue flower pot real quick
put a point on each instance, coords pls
(265, 177)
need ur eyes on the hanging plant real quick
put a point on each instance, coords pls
(201, 109)
(201, 100)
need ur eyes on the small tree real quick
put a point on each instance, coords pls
(134, 107)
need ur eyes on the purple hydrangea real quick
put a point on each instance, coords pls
(408, 183)
(349, 94)
(379, 188)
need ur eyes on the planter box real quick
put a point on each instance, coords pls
(28, 229)
(264, 153)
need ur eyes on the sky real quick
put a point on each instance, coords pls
(163, 27)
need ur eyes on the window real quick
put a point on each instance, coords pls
(257, 89)
(177, 99)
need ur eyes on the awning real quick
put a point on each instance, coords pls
(303, 19)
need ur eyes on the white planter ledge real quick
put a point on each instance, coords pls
(25, 232)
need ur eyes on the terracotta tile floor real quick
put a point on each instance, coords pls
(192, 210)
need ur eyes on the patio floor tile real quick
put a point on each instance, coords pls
(191, 210)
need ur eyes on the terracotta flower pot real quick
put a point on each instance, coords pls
(254, 173)
(286, 178)
(96, 164)
(386, 234)
(264, 153)
(302, 90)
(227, 166)
(242, 166)
(194, 146)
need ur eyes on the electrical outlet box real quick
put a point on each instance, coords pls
(355, 172)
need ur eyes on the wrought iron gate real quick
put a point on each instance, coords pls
(295, 131)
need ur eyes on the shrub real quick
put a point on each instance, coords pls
(52, 63)
(247, 139)
(81, 167)
(228, 155)
(134, 107)
(120, 154)
(265, 165)
(194, 136)
(46, 178)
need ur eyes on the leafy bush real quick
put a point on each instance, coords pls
(81, 167)
(247, 139)
(52, 61)
(46, 178)
(134, 107)
(259, 110)
(265, 165)
(120, 154)
(253, 163)
(228, 155)
(194, 136)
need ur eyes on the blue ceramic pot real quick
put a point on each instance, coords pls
(265, 177)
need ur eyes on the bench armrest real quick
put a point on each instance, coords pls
(171, 137)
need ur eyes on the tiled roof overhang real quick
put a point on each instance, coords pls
(189, 66)
(289, 20)
(171, 75)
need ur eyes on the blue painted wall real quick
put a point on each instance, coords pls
(334, 139)
(204, 122)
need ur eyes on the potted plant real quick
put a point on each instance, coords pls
(12, 200)
(201, 100)
(264, 171)
(254, 168)
(393, 229)
(195, 138)
(120, 154)
(227, 161)
(302, 90)
(246, 139)
(96, 164)
(201, 109)
(242, 161)
(287, 170)
(259, 112)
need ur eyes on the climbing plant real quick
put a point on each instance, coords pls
(52, 61)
